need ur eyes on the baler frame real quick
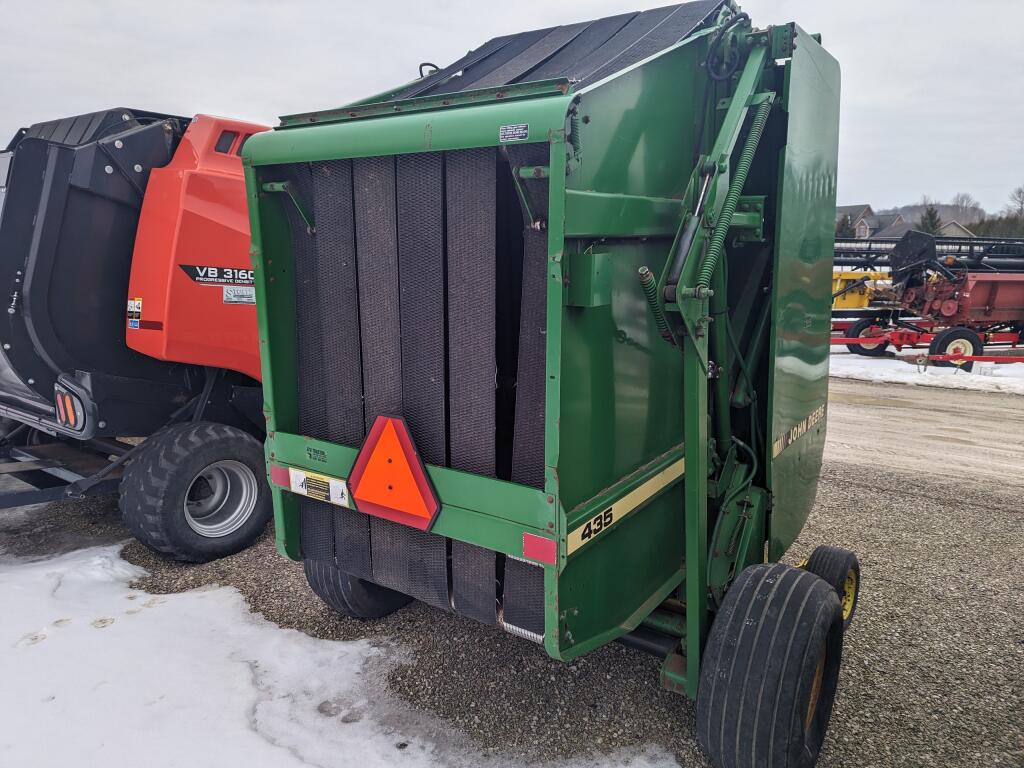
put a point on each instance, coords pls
(498, 515)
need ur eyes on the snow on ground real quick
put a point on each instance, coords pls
(986, 377)
(96, 673)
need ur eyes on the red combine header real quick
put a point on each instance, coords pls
(955, 298)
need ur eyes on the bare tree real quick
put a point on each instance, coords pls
(1016, 205)
(966, 208)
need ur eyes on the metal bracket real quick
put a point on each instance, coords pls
(287, 188)
(747, 224)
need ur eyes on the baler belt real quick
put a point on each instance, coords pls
(523, 612)
(528, 440)
(410, 561)
(337, 303)
(470, 187)
(474, 582)
(421, 276)
(585, 52)
(352, 542)
(379, 322)
(592, 38)
(470, 76)
(645, 34)
(316, 530)
(536, 54)
(309, 330)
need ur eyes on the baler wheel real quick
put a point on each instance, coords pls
(857, 330)
(349, 595)
(952, 341)
(770, 669)
(197, 492)
(840, 568)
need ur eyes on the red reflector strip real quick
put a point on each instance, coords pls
(69, 404)
(279, 476)
(60, 409)
(540, 549)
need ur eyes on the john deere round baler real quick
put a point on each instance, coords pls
(545, 342)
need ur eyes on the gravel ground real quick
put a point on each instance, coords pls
(933, 670)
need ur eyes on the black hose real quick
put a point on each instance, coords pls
(716, 41)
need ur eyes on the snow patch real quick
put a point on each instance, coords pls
(986, 377)
(95, 673)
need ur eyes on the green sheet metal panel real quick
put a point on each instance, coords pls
(805, 232)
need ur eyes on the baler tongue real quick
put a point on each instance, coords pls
(388, 478)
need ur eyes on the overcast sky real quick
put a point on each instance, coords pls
(932, 90)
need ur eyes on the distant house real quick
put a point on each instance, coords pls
(954, 229)
(866, 223)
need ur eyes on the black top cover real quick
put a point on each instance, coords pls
(584, 52)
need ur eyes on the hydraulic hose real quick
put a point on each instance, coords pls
(732, 199)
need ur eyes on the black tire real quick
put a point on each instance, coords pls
(770, 668)
(349, 595)
(946, 341)
(197, 492)
(840, 569)
(854, 332)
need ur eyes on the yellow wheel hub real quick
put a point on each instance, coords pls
(849, 593)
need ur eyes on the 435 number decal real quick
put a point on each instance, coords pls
(596, 524)
(591, 528)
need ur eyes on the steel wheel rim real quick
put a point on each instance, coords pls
(220, 498)
(862, 339)
(960, 347)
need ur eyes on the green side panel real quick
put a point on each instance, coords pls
(620, 381)
(805, 232)
(620, 388)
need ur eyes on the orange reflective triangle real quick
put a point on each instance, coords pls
(388, 478)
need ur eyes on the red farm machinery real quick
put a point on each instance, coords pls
(954, 296)
(129, 356)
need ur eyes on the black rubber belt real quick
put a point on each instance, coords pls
(316, 530)
(335, 286)
(656, 32)
(592, 38)
(471, 75)
(352, 542)
(528, 441)
(523, 601)
(308, 312)
(421, 266)
(409, 561)
(474, 582)
(443, 75)
(542, 50)
(470, 188)
(379, 322)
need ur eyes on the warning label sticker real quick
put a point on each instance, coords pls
(218, 275)
(517, 132)
(319, 487)
(239, 294)
(134, 313)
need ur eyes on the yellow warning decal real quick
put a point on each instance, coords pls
(319, 487)
(632, 501)
(788, 438)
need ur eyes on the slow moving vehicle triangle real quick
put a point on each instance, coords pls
(388, 478)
